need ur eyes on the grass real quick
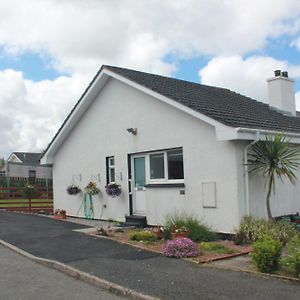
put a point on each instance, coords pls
(215, 247)
(26, 204)
(144, 236)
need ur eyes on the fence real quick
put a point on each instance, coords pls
(13, 197)
(22, 181)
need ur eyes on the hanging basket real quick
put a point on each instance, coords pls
(113, 189)
(73, 189)
(92, 188)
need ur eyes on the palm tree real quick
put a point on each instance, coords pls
(274, 157)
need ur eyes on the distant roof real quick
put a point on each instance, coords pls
(29, 157)
(220, 104)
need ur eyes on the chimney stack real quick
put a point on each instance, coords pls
(281, 92)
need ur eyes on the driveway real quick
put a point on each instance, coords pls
(143, 271)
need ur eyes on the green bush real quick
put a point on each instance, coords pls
(266, 254)
(292, 261)
(142, 236)
(251, 230)
(198, 232)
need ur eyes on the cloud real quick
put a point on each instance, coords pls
(246, 76)
(33, 111)
(81, 35)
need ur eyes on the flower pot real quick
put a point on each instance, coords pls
(60, 217)
(176, 235)
(159, 234)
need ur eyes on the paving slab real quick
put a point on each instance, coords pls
(143, 271)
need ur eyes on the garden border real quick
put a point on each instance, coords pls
(207, 264)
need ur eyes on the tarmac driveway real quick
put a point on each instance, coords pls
(140, 270)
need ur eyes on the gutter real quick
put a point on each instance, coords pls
(265, 131)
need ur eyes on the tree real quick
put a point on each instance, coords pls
(274, 157)
(2, 163)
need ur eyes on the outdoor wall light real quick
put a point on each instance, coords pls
(132, 130)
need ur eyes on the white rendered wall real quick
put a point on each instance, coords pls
(101, 132)
(286, 198)
(19, 170)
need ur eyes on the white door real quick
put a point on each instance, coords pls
(138, 184)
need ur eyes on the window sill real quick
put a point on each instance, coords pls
(165, 185)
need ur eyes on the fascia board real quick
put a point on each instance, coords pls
(13, 155)
(74, 117)
(90, 95)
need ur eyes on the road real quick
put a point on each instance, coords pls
(23, 279)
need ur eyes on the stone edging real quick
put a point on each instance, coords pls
(83, 276)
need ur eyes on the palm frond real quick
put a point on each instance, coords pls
(274, 156)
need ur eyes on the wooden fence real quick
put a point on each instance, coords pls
(14, 199)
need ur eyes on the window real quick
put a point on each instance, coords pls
(165, 166)
(175, 164)
(32, 174)
(157, 166)
(110, 169)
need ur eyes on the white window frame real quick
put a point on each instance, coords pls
(166, 178)
(110, 167)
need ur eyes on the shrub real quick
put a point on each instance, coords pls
(146, 236)
(292, 261)
(251, 230)
(266, 254)
(197, 232)
(181, 247)
(29, 191)
(215, 247)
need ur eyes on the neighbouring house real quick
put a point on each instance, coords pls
(26, 165)
(172, 145)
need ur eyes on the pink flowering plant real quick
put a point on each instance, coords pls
(181, 247)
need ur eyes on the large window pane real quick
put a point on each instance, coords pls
(112, 175)
(157, 169)
(175, 164)
(139, 172)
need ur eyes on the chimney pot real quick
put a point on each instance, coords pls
(277, 73)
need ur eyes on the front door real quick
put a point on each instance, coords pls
(138, 184)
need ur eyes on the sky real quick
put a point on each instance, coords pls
(51, 49)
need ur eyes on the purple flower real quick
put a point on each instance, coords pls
(180, 247)
(113, 189)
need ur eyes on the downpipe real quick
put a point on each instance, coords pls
(246, 170)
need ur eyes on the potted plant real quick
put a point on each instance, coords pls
(113, 189)
(73, 189)
(179, 232)
(60, 214)
(159, 232)
(92, 188)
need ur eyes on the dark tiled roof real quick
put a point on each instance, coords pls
(220, 104)
(29, 157)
